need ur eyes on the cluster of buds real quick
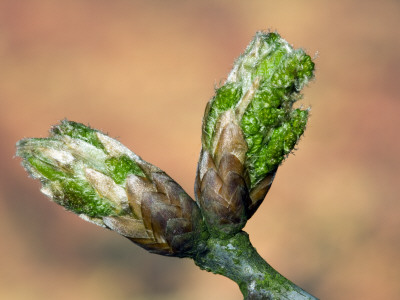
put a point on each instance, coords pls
(249, 127)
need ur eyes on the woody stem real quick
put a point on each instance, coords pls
(238, 260)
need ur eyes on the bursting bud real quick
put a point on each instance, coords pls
(249, 128)
(102, 181)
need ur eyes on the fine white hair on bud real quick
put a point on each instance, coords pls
(107, 188)
(115, 148)
(87, 153)
(62, 157)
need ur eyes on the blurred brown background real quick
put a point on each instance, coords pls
(143, 71)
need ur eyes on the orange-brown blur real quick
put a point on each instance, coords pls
(143, 71)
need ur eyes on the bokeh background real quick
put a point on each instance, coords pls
(143, 71)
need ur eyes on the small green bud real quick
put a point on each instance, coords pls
(102, 181)
(249, 128)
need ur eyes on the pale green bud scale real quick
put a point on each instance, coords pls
(226, 97)
(120, 167)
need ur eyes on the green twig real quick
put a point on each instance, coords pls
(237, 259)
